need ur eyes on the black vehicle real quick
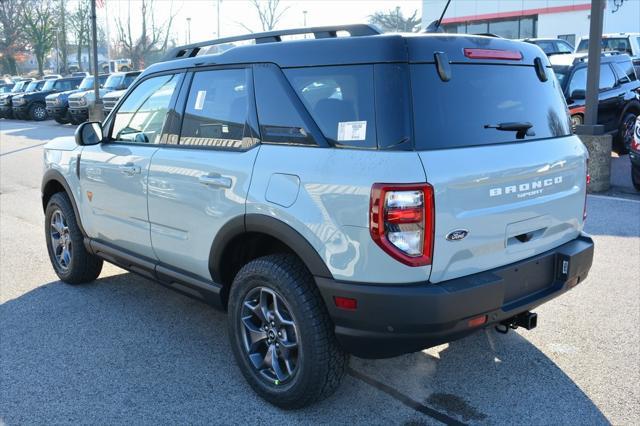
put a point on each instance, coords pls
(619, 98)
(58, 103)
(634, 155)
(551, 46)
(32, 106)
(6, 100)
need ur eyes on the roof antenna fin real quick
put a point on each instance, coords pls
(434, 27)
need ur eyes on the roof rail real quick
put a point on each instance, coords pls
(354, 30)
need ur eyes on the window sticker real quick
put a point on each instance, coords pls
(352, 130)
(200, 99)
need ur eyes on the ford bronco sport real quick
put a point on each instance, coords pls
(330, 196)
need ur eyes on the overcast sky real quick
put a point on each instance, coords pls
(233, 12)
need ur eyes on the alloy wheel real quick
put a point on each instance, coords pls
(270, 335)
(39, 113)
(60, 240)
(627, 135)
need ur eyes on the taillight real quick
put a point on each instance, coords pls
(401, 221)
(512, 55)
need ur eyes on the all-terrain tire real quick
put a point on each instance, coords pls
(82, 266)
(321, 363)
(38, 112)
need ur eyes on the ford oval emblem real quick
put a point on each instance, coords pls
(457, 235)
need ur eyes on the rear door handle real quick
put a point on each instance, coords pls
(214, 179)
(129, 169)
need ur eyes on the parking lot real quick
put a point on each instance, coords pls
(126, 350)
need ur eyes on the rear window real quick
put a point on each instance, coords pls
(617, 44)
(454, 114)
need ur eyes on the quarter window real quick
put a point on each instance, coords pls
(217, 110)
(142, 115)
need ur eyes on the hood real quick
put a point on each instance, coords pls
(85, 93)
(40, 93)
(64, 143)
(116, 94)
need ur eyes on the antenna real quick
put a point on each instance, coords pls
(434, 27)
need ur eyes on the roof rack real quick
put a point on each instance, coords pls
(354, 30)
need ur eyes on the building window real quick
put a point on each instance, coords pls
(522, 27)
(571, 38)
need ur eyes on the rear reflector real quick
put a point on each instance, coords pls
(511, 55)
(345, 303)
(474, 322)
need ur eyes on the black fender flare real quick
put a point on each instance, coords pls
(52, 175)
(270, 226)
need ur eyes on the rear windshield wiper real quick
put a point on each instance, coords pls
(521, 127)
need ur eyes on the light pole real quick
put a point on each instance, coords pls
(218, 18)
(304, 18)
(57, 52)
(188, 30)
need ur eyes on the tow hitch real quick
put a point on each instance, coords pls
(528, 320)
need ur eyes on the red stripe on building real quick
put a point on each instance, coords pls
(515, 13)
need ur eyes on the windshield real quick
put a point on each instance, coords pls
(618, 44)
(48, 85)
(5, 89)
(113, 82)
(33, 86)
(87, 84)
(18, 87)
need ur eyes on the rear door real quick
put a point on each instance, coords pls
(200, 179)
(512, 196)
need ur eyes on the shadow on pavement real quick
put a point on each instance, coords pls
(123, 349)
(35, 131)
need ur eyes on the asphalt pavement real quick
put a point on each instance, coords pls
(126, 350)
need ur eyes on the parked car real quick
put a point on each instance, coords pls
(364, 219)
(120, 65)
(634, 155)
(110, 100)
(33, 105)
(58, 103)
(618, 101)
(551, 46)
(6, 108)
(628, 43)
(80, 103)
(6, 88)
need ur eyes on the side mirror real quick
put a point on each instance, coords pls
(89, 133)
(579, 94)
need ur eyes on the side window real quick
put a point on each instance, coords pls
(340, 100)
(607, 78)
(546, 46)
(217, 109)
(563, 47)
(280, 120)
(141, 116)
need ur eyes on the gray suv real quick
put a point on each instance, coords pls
(365, 194)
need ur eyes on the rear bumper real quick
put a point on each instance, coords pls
(394, 319)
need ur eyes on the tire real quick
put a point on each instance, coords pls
(38, 112)
(317, 364)
(78, 265)
(635, 176)
(125, 69)
(61, 120)
(625, 133)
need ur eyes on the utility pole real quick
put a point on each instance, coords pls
(57, 52)
(63, 40)
(96, 113)
(218, 17)
(593, 65)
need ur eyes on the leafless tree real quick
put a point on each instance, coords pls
(269, 12)
(11, 33)
(80, 21)
(145, 39)
(395, 21)
(39, 21)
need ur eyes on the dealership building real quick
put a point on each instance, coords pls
(565, 19)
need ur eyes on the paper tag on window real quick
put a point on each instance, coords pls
(200, 99)
(352, 130)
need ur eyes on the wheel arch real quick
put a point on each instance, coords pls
(633, 106)
(247, 237)
(54, 182)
